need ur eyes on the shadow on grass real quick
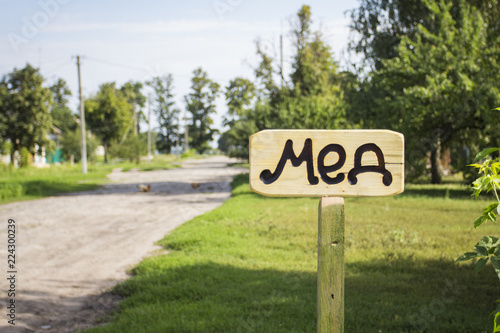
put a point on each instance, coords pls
(47, 188)
(431, 191)
(30, 189)
(397, 295)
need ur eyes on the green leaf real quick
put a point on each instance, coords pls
(475, 165)
(467, 256)
(492, 217)
(489, 242)
(481, 250)
(495, 262)
(497, 310)
(479, 221)
(481, 184)
(480, 264)
(497, 251)
(485, 152)
(491, 207)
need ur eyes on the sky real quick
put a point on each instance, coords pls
(127, 40)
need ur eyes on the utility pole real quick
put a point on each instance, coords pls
(281, 59)
(149, 128)
(186, 132)
(179, 117)
(82, 120)
(135, 118)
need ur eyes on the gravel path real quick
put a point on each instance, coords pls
(72, 248)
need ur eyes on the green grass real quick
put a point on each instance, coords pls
(250, 266)
(158, 162)
(34, 183)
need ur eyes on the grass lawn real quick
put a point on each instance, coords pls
(34, 183)
(250, 266)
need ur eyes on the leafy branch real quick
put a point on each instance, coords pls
(489, 181)
(488, 248)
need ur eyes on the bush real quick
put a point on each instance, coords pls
(70, 145)
(9, 191)
(132, 148)
(190, 153)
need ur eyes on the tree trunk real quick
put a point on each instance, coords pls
(12, 154)
(436, 169)
(105, 145)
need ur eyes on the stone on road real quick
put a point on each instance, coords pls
(72, 248)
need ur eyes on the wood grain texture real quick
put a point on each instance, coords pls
(331, 265)
(267, 147)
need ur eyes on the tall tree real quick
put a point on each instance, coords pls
(61, 113)
(440, 87)
(166, 112)
(201, 104)
(240, 96)
(25, 110)
(108, 115)
(312, 98)
(133, 92)
(379, 25)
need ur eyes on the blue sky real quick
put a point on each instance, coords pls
(135, 40)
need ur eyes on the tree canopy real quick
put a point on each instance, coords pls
(166, 113)
(109, 115)
(311, 98)
(438, 87)
(200, 102)
(25, 103)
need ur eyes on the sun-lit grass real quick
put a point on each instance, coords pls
(250, 266)
(34, 183)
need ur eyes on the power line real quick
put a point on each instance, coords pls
(106, 62)
(143, 70)
(59, 67)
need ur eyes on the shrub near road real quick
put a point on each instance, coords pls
(250, 266)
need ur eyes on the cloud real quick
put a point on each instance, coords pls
(177, 26)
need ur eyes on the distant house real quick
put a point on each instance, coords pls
(56, 156)
(41, 159)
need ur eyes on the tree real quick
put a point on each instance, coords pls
(440, 87)
(240, 96)
(132, 91)
(132, 148)
(166, 112)
(71, 145)
(61, 114)
(312, 98)
(25, 110)
(379, 25)
(201, 104)
(108, 115)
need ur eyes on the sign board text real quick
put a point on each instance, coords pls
(345, 163)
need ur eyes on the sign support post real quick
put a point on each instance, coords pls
(331, 265)
(331, 164)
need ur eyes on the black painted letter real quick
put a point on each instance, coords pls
(324, 170)
(380, 168)
(268, 177)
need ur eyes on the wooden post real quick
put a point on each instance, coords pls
(331, 164)
(331, 265)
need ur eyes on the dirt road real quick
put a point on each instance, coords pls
(72, 248)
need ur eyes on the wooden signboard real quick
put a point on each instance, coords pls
(315, 163)
(329, 164)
